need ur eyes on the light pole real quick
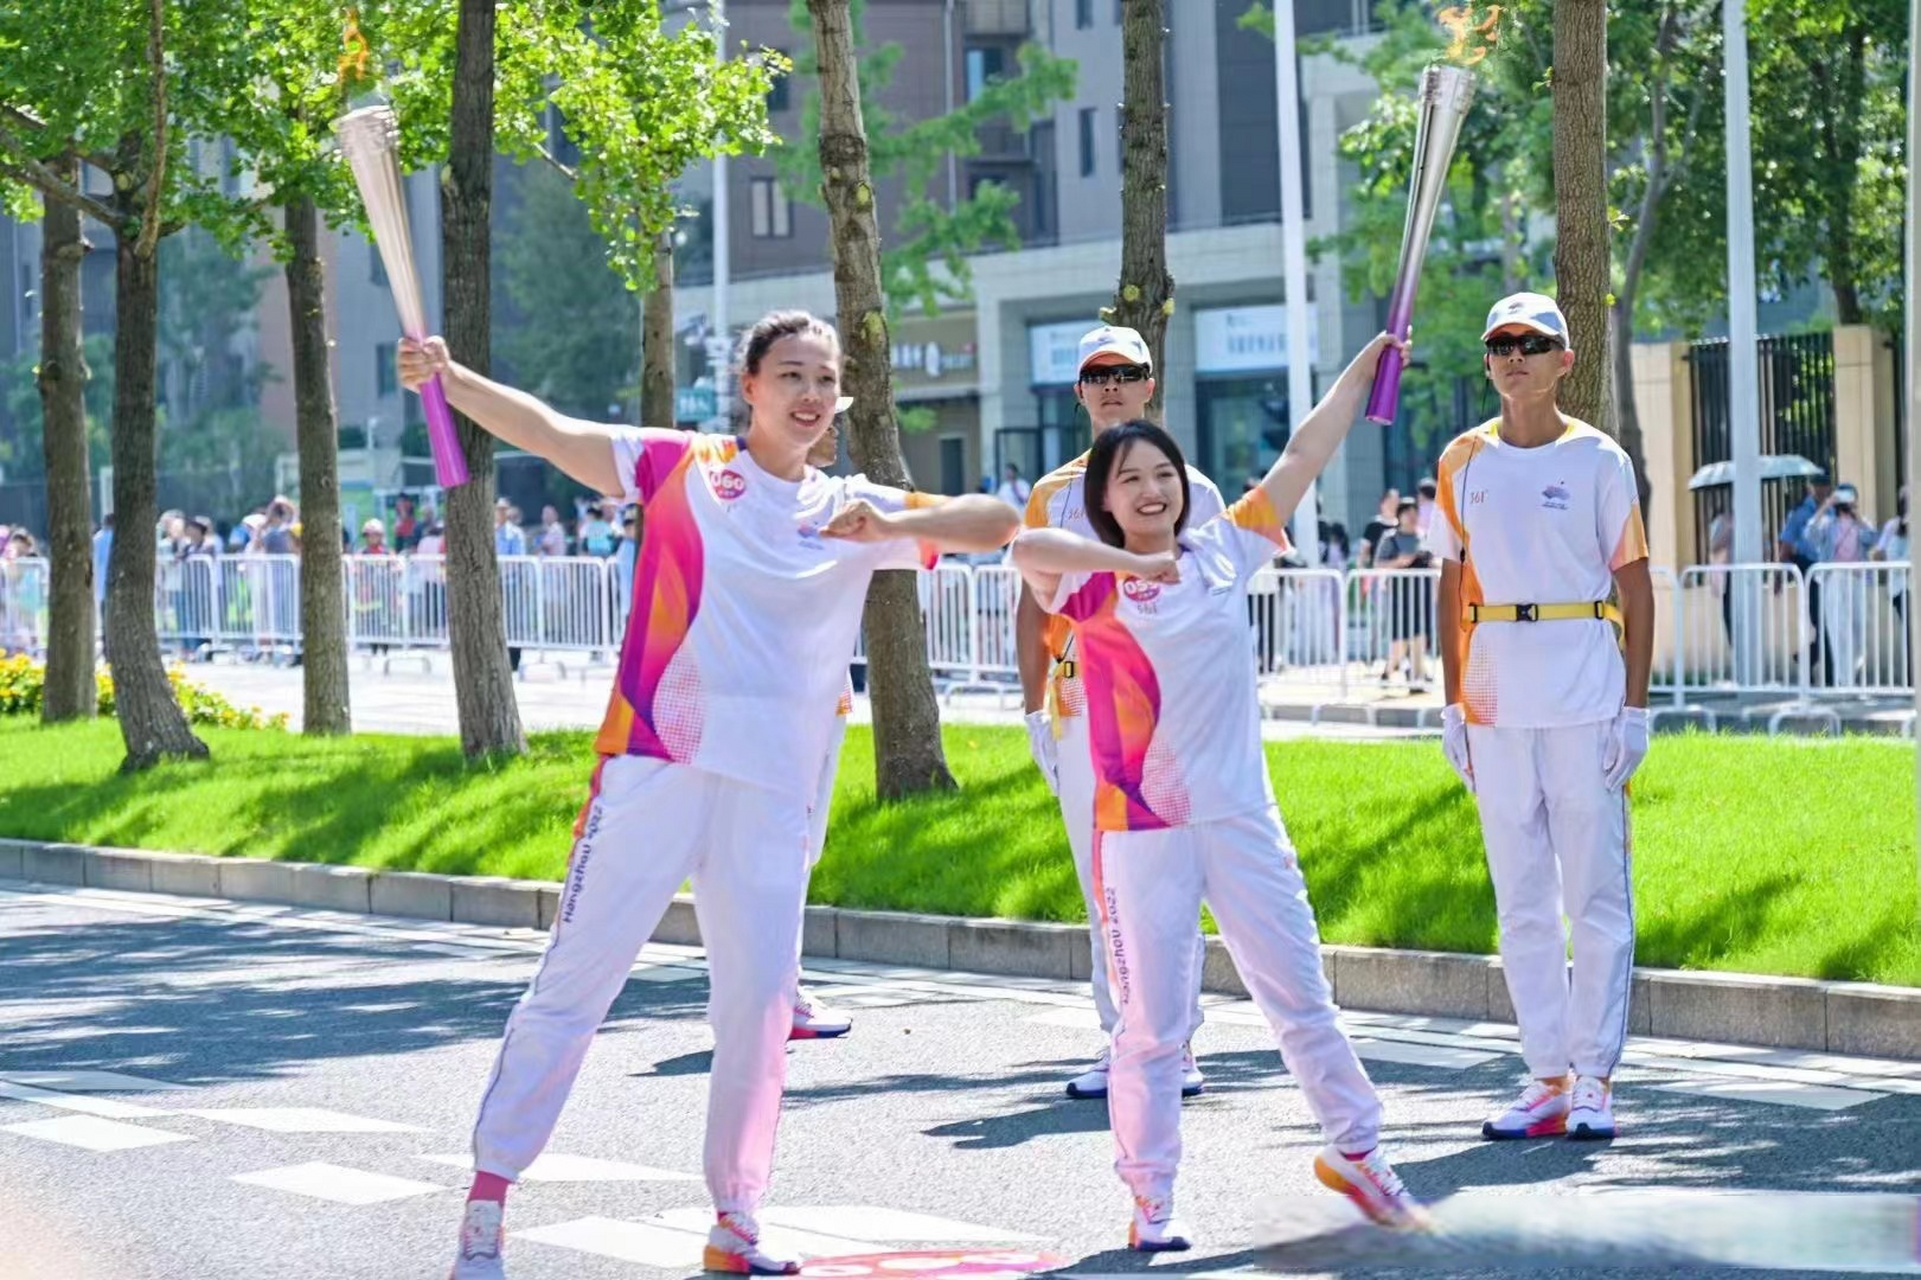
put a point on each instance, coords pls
(723, 334)
(1300, 374)
(1911, 375)
(1744, 414)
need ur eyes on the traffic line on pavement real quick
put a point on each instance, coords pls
(553, 1167)
(106, 1108)
(301, 1120)
(1419, 1055)
(321, 1181)
(675, 1239)
(1784, 1093)
(89, 1081)
(92, 1133)
(877, 1225)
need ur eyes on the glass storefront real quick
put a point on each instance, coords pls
(1242, 428)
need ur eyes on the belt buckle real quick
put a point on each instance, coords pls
(1525, 613)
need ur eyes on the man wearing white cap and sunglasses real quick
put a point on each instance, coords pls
(1546, 716)
(1115, 382)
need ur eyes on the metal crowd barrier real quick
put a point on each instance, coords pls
(1860, 618)
(1740, 628)
(1393, 627)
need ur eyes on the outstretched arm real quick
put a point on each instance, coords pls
(584, 450)
(1309, 448)
(1045, 556)
(972, 522)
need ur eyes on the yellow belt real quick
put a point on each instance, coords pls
(1064, 670)
(1599, 609)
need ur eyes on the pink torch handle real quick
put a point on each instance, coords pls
(450, 464)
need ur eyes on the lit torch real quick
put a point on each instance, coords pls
(370, 139)
(1445, 94)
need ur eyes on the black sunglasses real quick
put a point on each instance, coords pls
(1534, 344)
(1102, 375)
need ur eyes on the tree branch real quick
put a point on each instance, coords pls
(37, 175)
(150, 228)
(554, 160)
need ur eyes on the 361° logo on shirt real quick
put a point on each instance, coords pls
(1140, 590)
(729, 484)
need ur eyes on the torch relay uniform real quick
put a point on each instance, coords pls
(710, 760)
(1544, 525)
(1059, 502)
(1184, 812)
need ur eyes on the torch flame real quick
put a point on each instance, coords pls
(1474, 34)
(357, 52)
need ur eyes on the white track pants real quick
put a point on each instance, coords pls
(648, 826)
(1151, 887)
(824, 794)
(1077, 812)
(1557, 844)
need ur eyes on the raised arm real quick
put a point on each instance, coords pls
(1045, 556)
(973, 522)
(584, 450)
(1309, 448)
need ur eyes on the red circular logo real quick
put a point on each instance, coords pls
(933, 1264)
(1140, 590)
(729, 484)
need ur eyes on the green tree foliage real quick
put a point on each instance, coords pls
(924, 255)
(21, 451)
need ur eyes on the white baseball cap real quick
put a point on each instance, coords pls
(1113, 339)
(1534, 311)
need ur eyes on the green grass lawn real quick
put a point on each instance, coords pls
(1789, 856)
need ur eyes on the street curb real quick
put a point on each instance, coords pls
(1791, 1013)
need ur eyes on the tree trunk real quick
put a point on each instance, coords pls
(477, 630)
(151, 722)
(1581, 261)
(657, 340)
(1627, 409)
(1145, 296)
(908, 755)
(70, 693)
(323, 619)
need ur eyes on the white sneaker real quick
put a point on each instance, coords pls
(1591, 1114)
(1192, 1081)
(1155, 1229)
(1540, 1112)
(1371, 1183)
(733, 1246)
(1091, 1083)
(479, 1256)
(815, 1021)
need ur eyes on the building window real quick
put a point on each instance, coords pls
(376, 269)
(1083, 14)
(771, 214)
(1087, 141)
(779, 95)
(984, 67)
(386, 374)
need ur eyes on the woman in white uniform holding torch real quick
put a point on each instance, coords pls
(1184, 810)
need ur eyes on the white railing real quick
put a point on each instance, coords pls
(1838, 631)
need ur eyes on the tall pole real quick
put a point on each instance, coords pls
(1744, 414)
(1911, 313)
(721, 339)
(1300, 372)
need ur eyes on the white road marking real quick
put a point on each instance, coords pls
(301, 1120)
(1815, 1097)
(887, 1226)
(1419, 1055)
(107, 1108)
(553, 1167)
(322, 1181)
(94, 1134)
(89, 1081)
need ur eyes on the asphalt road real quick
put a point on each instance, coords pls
(303, 1083)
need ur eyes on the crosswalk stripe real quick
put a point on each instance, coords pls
(106, 1108)
(93, 1133)
(321, 1181)
(89, 1081)
(1786, 1093)
(301, 1120)
(557, 1167)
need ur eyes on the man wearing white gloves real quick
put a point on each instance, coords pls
(1546, 720)
(1115, 383)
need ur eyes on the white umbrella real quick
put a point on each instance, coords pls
(1774, 466)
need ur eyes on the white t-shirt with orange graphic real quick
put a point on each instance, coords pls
(1546, 525)
(1059, 501)
(735, 657)
(1173, 713)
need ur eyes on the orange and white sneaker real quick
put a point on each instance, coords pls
(733, 1247)
(1590, 1114)
(1540, 1112)
(1371, 1183)
(1155, 1229)
(479, 1256)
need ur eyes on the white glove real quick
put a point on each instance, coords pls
(1627, 746)
(1454, 742)
(1047, 752)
